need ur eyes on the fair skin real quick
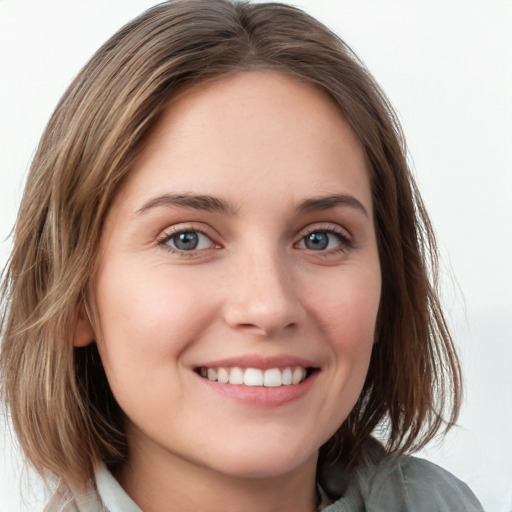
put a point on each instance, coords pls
(243, 238)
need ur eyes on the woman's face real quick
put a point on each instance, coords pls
(238, 280)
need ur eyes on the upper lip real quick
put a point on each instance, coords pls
(261, 362)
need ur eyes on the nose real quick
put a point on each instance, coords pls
(262, 297)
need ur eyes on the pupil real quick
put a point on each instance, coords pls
(186, 241)
(317, 241)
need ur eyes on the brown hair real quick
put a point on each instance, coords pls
(61, 405)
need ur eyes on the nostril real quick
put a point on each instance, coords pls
(264, 328)
(265, 310)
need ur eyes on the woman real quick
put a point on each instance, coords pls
(218, 289)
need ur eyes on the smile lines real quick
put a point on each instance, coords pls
(271, 378)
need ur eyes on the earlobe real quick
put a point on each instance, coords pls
(84, 333)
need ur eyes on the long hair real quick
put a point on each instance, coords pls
(59, 399)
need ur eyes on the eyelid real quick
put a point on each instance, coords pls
(185, 227)
(325, 227)
(346, 238)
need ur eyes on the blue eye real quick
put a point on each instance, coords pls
(188, 241)
(321, 241)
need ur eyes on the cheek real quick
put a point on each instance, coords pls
(145, 318)
(349, 308)
(348, 318)
(146, 321)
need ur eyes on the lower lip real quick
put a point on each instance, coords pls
(261, 396)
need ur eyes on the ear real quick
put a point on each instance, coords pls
(84, 333)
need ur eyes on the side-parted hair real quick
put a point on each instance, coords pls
(61, 406)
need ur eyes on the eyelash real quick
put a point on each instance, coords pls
(345, 241)
(175, 231)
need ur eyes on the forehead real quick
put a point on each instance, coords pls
(249, 129)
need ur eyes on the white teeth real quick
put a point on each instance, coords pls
(287, 376)
(272, 377)
(222, 376)
(253, 377)
(298, 375)
(236, 376)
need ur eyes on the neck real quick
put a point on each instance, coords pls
(173, 484)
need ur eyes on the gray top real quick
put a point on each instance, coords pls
(404, 483)
(381, 484)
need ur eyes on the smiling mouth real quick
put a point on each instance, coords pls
(270, 377)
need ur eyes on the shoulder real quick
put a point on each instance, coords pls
(63, 500)
(104, 494)
(410, 483)
(389, 483)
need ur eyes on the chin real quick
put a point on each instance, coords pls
(259, 461)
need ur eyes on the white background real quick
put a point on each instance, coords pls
(447, 67)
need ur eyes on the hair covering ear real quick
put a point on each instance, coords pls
(84, 332)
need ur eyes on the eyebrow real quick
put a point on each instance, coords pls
(197, 202)
(326, 202)
(215, 204)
